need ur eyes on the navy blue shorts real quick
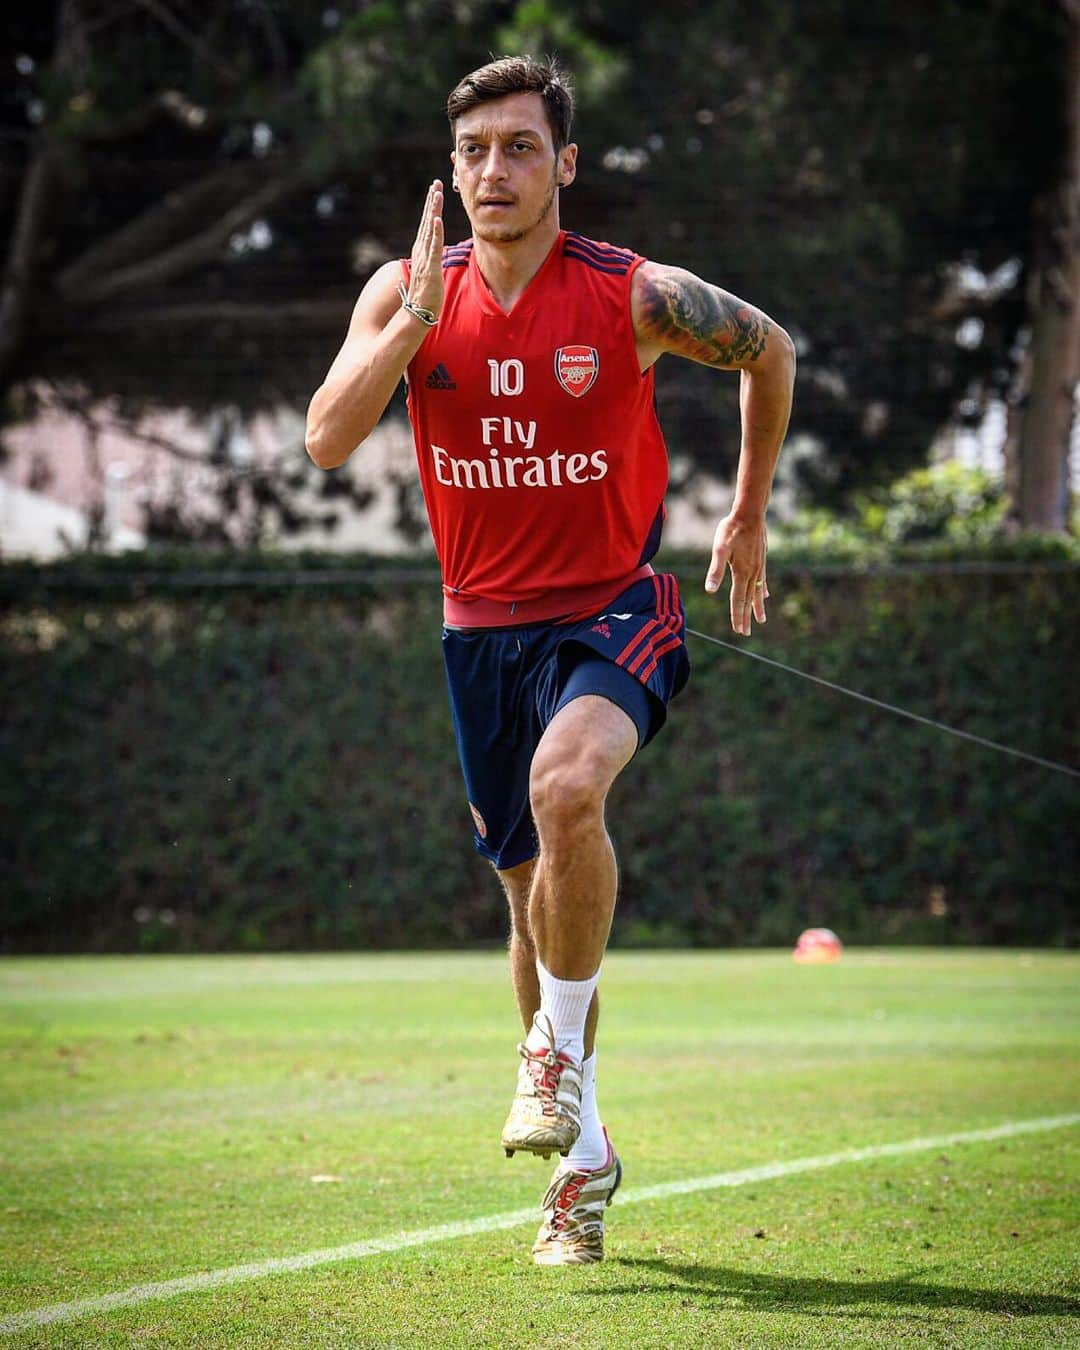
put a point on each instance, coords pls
(506, 684)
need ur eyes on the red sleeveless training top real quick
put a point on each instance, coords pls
(541, 459)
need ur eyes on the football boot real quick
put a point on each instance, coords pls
(572, 1233)
(545, 1116)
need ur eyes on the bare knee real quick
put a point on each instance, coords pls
(567, 788)
(584, 749)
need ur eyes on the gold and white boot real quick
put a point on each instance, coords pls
(545, 1115)
(572, 1233)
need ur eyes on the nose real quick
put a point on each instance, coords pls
(494, 165)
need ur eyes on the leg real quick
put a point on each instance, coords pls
(517, 883)
(591, 1147)
(572, 900)
(587, 742)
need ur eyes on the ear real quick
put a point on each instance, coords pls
(567, 165)
(453, 176)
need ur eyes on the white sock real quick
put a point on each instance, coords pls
(566, 1004)
(590, 1151)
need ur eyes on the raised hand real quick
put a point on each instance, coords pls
(425, 271)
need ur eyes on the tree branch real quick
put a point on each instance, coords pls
(148, 231)
(19, 268)
(168, 20)
(96, 421)
(328, 313)
(205, 247)
(274, 40)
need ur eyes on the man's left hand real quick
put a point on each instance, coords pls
(742, 545)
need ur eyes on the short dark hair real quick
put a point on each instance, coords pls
(518, 75)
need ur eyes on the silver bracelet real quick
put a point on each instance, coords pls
(424, 315)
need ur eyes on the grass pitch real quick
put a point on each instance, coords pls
(163, 1117)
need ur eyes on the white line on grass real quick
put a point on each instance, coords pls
(395, 1242)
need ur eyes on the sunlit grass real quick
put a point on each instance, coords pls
(164, 1116)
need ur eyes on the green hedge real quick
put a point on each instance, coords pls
(270, 764)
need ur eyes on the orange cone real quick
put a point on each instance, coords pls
(818, 945)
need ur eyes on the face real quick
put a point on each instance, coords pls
(507, 168)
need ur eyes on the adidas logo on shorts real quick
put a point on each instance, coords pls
(440, 379)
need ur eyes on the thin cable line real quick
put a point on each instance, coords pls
(891, 707)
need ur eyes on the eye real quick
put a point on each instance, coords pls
(522, 145)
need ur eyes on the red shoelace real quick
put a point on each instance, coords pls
(545, 1071)
(566, 1199)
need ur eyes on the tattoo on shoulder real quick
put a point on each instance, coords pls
(700, 321)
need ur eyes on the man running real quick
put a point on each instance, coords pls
(528, 353)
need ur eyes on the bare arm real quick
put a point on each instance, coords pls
(675, 311)
(383, 338)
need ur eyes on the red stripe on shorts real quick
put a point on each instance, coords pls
(645, 662)
(643, 656)
(667, 637)
(640, 655)
(638, 638)
(658, 651)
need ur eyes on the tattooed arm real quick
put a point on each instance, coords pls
(675, 311)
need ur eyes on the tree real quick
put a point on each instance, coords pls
(200, 190)
(842, 163)
(1054, 358)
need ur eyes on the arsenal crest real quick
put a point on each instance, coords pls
(577, 369)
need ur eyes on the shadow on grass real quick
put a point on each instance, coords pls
(791, 1294)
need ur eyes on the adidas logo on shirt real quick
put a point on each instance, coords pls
(440, 378)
